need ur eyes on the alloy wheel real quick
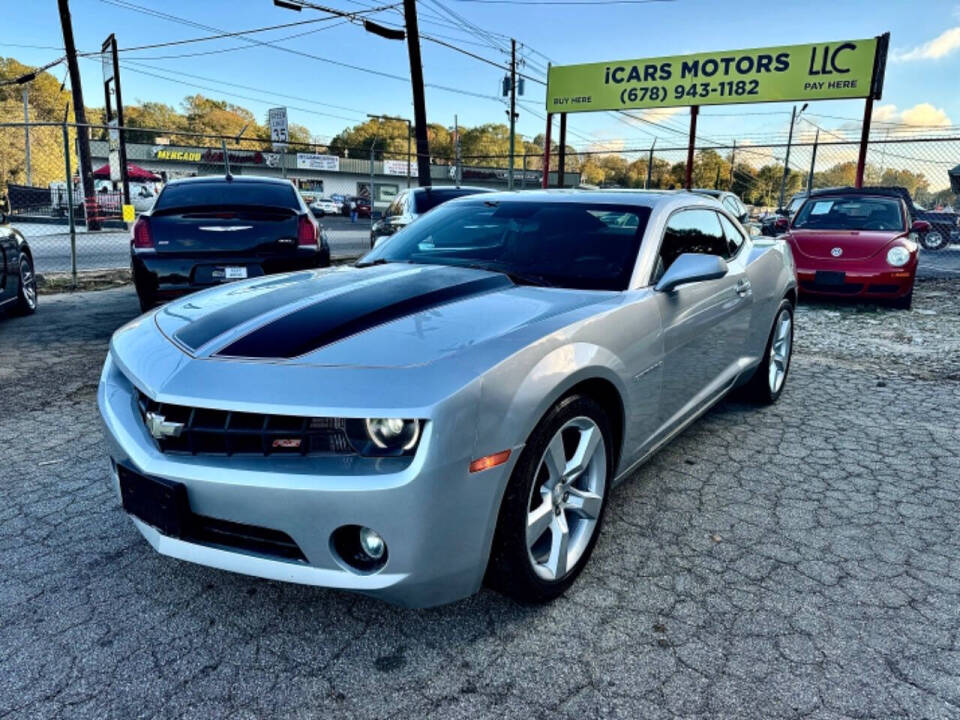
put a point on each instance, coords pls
(933, 240)
(780, 349)
(28, 283)
(566, 498)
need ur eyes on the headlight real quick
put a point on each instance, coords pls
(384, 436)
(898, 256)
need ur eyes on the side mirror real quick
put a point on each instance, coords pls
(690, 268)
(781, 224)
(920, 226)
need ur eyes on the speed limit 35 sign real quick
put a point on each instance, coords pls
(278, 127)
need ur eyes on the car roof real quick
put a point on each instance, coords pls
(240, 179)
(453, 188)
(638, 198)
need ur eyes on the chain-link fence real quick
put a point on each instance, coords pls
(70, 228)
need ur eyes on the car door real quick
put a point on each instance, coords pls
(704, 323)
(8, 250)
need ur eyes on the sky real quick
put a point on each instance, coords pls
(922, 85)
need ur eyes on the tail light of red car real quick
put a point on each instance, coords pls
(142, 235)
(306, 233)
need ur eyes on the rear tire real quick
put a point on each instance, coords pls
(146, 297)
(27, 294)
(551, 516)
(770, 377)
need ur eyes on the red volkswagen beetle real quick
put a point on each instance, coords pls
(855, 243)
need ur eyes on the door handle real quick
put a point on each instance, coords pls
(743, 287)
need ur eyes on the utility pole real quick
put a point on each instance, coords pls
(813, 162)
(733, 163)
(26, 130)
(419, 102)
(373, 145)
(513, 108)
(458, 158)
(79, 114)
(786, 163)
(646, 185)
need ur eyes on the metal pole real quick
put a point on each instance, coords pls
(458, 157)
(864, 140)
(646, 185)
(226, 158)
(513, 109)
(419, 103)
(694, 111)
(562, 151)
(372, 146)
(70, 220)
(545, 180)
(813, 162)
(733, 162)
(786, 162)
(26, 130)
(523, 178)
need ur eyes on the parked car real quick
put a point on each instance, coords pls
(855, 243)
(457, 406)
(734, 205)
(324, 206)
(777, 222)
(411, 204)
(944, 225)
(18, 282)
(209, 230)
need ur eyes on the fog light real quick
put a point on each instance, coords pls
(371, 543)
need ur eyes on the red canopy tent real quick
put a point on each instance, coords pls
(135, 173)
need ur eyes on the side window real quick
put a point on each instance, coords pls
(734, 236)
(730, 204)
(690, 231)
(396, 207)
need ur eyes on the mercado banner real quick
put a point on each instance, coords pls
(819, 71)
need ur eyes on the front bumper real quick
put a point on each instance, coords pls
(436, 518)
(881, 282)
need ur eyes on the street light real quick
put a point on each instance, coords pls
(794, 115)
(409, 133)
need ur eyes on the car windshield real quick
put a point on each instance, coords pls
(850, 213)
(571, 245)
(794, 204)
(206, 194)
(430, 198)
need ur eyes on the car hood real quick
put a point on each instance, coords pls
(853, 244)
(394, 315)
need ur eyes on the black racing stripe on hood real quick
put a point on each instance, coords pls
(200, 332)
(354, 311)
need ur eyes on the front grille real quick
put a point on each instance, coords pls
(212, 531)
(224, 432)
(878, 288)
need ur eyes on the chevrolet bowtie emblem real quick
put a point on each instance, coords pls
(160, 428)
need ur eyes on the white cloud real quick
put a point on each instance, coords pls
(944, 44)
(922, 114)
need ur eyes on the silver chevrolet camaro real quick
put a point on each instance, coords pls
(453, 409)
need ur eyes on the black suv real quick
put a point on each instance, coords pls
(411, 204)
(18, 283)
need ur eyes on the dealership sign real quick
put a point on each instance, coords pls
(312, 161)
(238, 157)
(819, 71)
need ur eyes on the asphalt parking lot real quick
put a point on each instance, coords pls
(797, 561)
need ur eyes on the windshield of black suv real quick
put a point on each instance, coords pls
(572, 245)
(850, 213)
(795, 203)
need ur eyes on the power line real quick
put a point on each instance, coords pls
(564, 2)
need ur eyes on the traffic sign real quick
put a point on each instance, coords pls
(278, 127)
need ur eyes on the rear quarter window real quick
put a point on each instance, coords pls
(191, 195)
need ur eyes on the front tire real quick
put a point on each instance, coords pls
(27, 294)
(553, 506)
(903, 303)
(770, 377)
(933, 240)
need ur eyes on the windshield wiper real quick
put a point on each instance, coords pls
(519, 278)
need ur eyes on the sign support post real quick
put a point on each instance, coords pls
(562, 151)
(694, 111)
(864, 139)
(876, 92)
(545, 180)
